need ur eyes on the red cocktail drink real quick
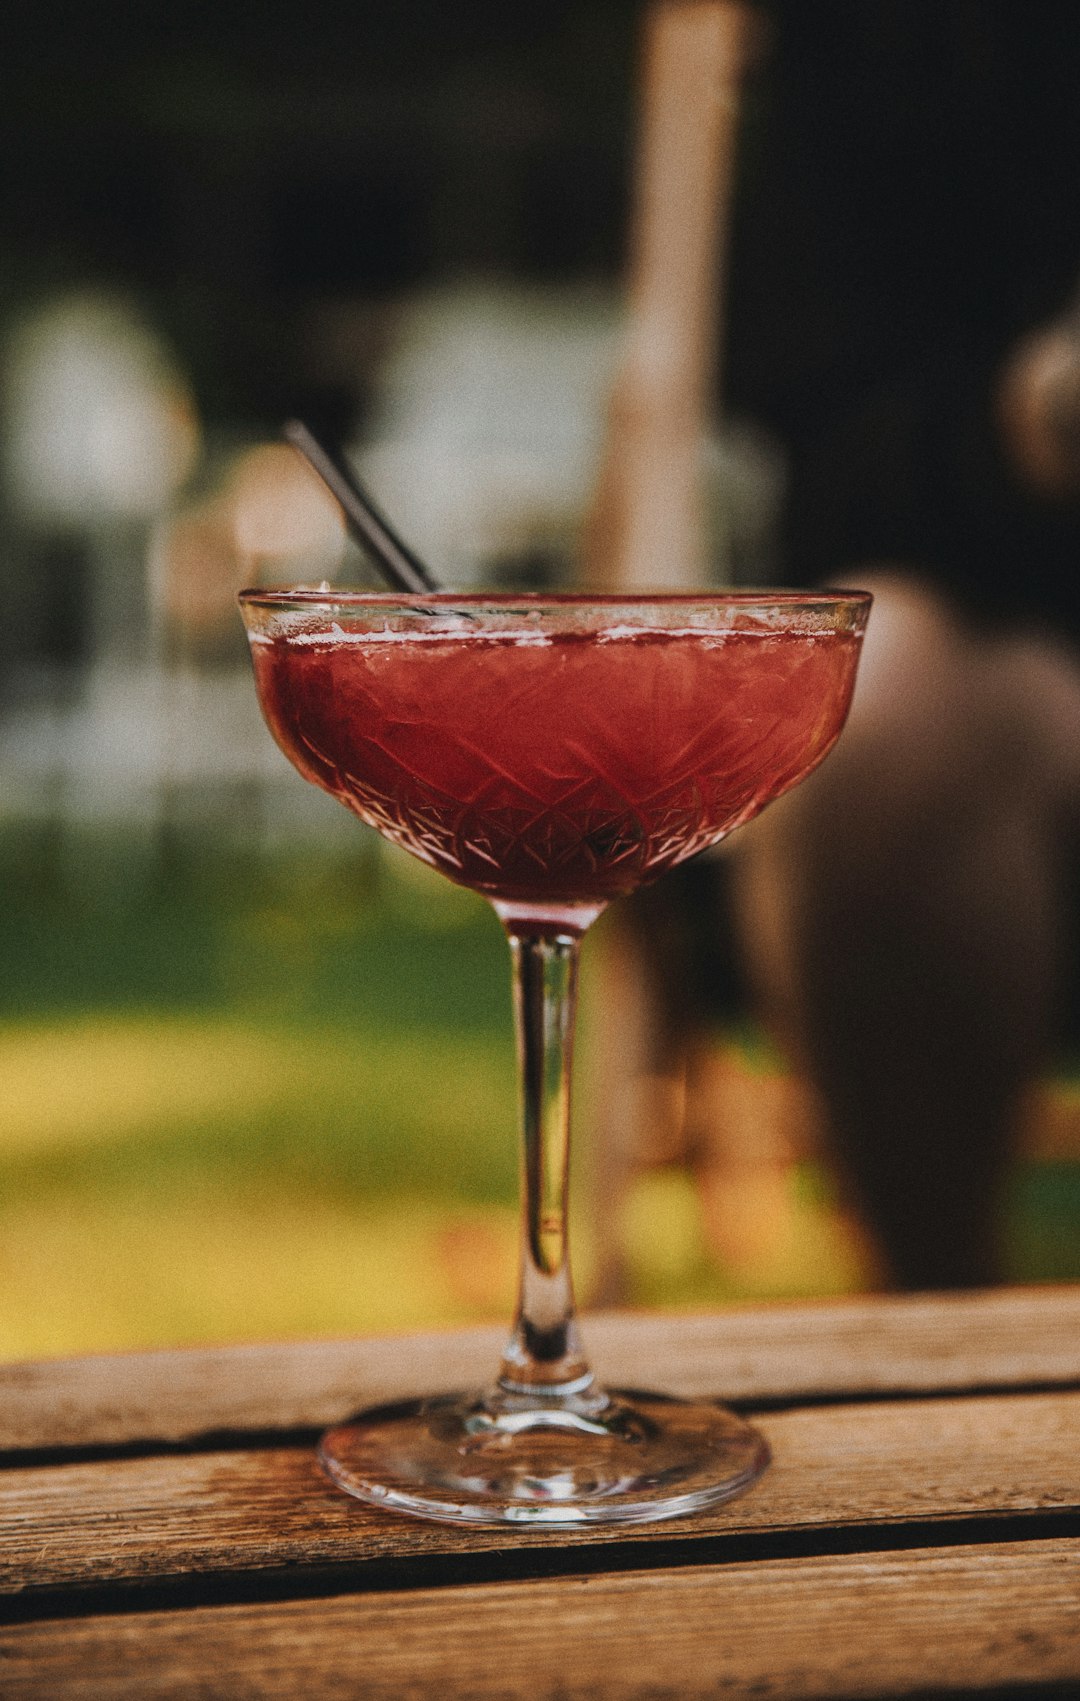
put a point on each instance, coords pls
(552, 753)
(565, 767)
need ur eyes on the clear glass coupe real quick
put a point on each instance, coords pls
(552, 752)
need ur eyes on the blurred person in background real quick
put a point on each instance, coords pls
(904, 271)
(905, 251)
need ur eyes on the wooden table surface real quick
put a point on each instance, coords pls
(165, 1531)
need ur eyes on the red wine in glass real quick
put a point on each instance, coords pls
(552, 753)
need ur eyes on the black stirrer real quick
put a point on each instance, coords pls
(371, 531)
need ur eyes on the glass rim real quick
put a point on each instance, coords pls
(310, 596)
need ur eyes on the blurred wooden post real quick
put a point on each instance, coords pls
(645, 530)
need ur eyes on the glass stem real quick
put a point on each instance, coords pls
(544, 1356)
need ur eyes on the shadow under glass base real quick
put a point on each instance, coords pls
(625, 1457)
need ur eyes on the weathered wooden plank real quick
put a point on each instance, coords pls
(1005, 1338)
(867, 1625)
(131, 1521)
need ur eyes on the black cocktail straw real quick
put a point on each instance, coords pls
(375, 536)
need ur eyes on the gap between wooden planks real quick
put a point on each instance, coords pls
(794, 1630)
(878, 1346)
(870, 1470)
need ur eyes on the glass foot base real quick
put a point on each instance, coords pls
(624, 1457)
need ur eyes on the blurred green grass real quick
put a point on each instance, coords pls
(244, 1094)
(250, 1095)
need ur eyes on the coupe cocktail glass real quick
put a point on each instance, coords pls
(553, 753)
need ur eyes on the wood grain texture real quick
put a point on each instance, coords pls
(1008, 1338)
(792, 1630)
(131, 1521)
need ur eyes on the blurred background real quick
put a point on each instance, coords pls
(256, 1069)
